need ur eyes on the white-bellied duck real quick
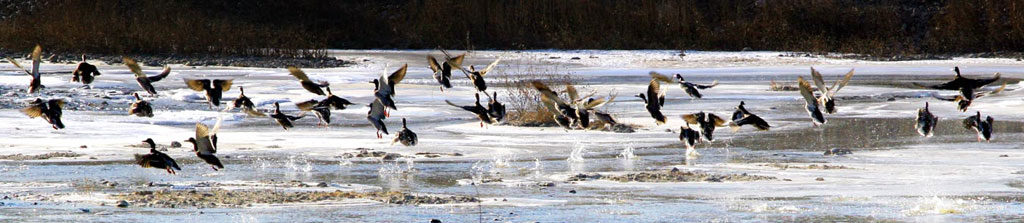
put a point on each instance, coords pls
(811, 103)
(828, 93)
(926, 121)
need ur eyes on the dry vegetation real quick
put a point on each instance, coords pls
(523, 104)
(281, 27)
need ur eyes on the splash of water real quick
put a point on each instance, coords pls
(299, 163)
(576, 156)
(502, 162)
(627, 153)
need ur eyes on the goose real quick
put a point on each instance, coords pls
(307, 84)
(35, 85)
(982, 127)
(145, 82)
(691, 89)
(214, 89)
(654, 100)
(811, 103)
(479, 110)
(443, 71)
(690, 138)
(706, 122)
(50, 110)
(319, 109)
(477, 76)
(496, 109)
(140, 107)
(384, 87)
(376, 117)
(205, 144)
(85, 73)
(243, 102)
(965, 86)
(284, 120)
(828, 93)
(156, 159)
(925, 121)
(743, 117)
(405, 136)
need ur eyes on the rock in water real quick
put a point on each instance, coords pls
(122, 204)
(175, 144)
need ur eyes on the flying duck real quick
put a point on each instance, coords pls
(982, 127)
(706, 122)
(36, 83)
(156, 159)
(925, 121)
(308, 84)
(563, 111)
(605, 118)
(743, 117)
(376, 117)
(335, 102)
(284, 120)
(479, 110)
(85, 73)
(654, 100)
(205, 144)
(49, 110)
(140, 107)
(962, 103)
(812, 106)
(319, 109)
(477, 76)
(443, 71)
(214, 89)
(243, 102)
(690, 88)
(690, 138)
(965, 86)
(496, 109)
(146, 82)
(827, 93)
(384, 87)
(406, 136)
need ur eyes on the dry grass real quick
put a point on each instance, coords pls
(523, 103)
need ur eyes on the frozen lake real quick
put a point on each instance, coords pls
(527, 174)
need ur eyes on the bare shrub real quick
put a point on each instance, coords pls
(523, 103)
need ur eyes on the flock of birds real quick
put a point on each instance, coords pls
(574, 112)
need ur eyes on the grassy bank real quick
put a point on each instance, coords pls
(279, 28)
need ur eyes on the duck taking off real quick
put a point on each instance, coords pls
(145, 82)
(443, 71)
(156, 159)
(811, 103)
(477, 109)
(962, 103)
(982, 127)
(828, 93)
(654, 100)
(34, 85)
(496, 109)
(690, 138)
(307, 84)
(245, 104)
(205, 144)
(335, 102)
(85, 73)
(214, 89)
(406, 136)
(925, 121)
(384, 87)
(50, 110)
(743, 117)
(564, 114)
(706, 122)
(376, 117)
(691, 89)
(320, 109)
(477, 76)
(284, 120)
(967, 87)
(140, 107)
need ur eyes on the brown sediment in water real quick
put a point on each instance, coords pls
(43, 156)
(244, 198)
(674, 175)
(805, 167)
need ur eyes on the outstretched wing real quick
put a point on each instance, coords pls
(490, 67)
(841, 83)
(976, 83)
(161, 76)
(571, 91)
(718, 121)
(690, 118)
(819, 81)
(546, 92)
(434, 66)
(307, 105)
(456, 61)
(36, 59)
(598, 102)
(198, 84)
(660, 77)
(399, 74)
(295, 71)
(34, 110)
(713, 84)
(134, 67)
(16, 64)
(805, 90)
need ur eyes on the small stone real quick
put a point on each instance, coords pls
(674, 169)
(83, 147)
(435, 221)
(1004, 155)
(819, 179)
(574, 58)
(175, 144)
(322, 184)
(572, 191)
(122, 203)
(84, 210)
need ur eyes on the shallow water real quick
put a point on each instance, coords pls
(893, 174)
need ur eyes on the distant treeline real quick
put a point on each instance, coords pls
(278, 28)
